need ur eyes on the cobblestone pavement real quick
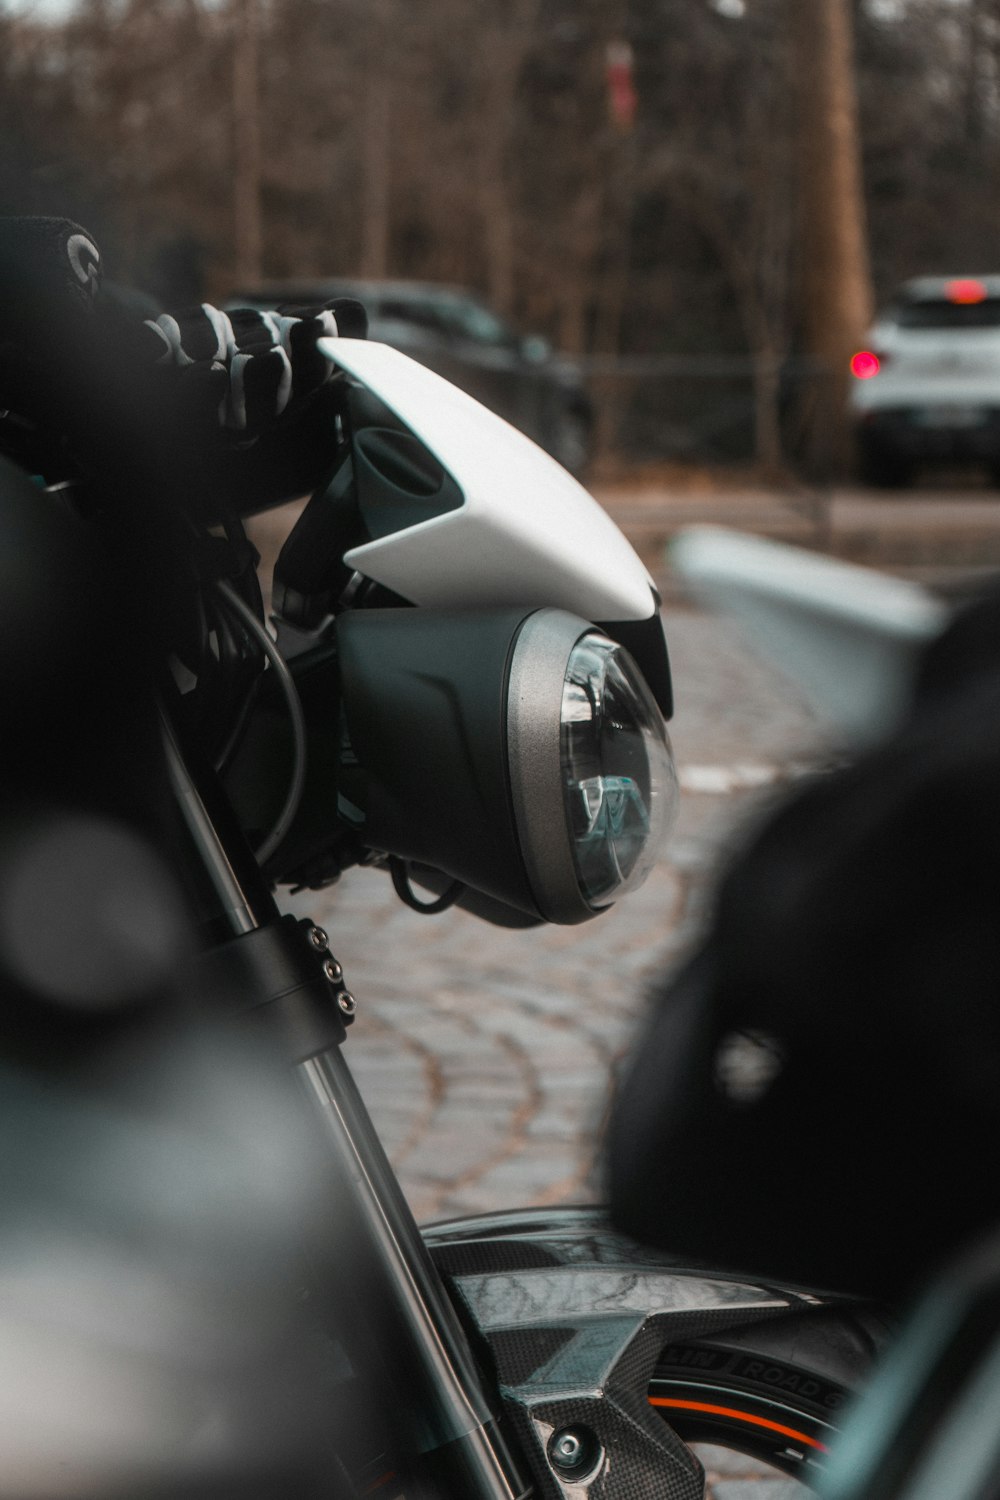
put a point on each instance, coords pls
(731, 1476)
(486, 1056)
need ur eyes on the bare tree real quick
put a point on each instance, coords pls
(247, 231)
(835, 299)
(508, 39)
(376, 141)
(468, 140)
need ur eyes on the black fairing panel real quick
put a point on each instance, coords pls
(425, 703)
(399, 481)
(646, 643)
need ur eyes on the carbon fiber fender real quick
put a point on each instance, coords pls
(591, 1341)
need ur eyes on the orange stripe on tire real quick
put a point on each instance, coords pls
(739, 1416)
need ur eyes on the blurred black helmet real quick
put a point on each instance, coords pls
(817, 1095)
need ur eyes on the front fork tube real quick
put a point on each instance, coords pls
(385, 1288)
(431, 1390)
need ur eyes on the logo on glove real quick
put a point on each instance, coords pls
(85, 260)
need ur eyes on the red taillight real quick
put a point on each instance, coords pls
(965, 290)
(865, 364)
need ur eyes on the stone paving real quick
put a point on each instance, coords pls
(486, 1056)
(731, 1476)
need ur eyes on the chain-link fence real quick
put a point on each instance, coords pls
(713, 409)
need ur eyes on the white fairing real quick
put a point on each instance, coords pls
(526, 533)
(849, 636)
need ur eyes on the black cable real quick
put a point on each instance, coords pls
(286, 682)
(401, 885)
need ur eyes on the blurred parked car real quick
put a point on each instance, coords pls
(927, 385)
(460, 337)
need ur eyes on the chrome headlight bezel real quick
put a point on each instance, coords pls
(542, 773)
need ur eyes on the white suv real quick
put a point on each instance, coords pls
(927, 386)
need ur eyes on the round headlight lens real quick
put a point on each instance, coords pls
(592, 778)
(619, 779)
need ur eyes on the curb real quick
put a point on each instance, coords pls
(949, 540)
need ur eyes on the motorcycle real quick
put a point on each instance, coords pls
(467, 688)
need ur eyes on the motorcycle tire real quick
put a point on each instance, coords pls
(772, 1394)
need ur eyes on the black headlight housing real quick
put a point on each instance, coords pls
(517, 751)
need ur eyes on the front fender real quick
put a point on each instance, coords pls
(574, 1322)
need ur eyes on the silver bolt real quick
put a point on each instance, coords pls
(318, 937)
(567, 1449)
(347, 1002)
(333, 971)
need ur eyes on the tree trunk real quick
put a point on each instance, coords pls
(377, 168)
(504, 52)
(975, 51)
(610, 391)
(247, 230)
(766, 412)
(498, 239)
(835, 302)
(376, 144)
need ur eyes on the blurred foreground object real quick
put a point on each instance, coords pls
(928, 1425)
(816, 1087)
(848, 636)
(152, 1338)
(156, 1177)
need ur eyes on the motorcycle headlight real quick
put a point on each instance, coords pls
(518, 752)
(592, 775)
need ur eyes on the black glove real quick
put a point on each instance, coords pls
(56, 326)
(50, 278)
(232, 409)
(253, 364)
